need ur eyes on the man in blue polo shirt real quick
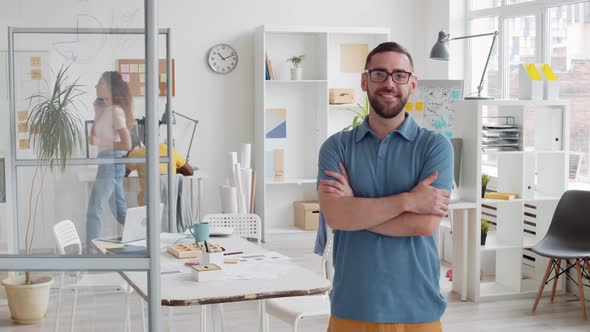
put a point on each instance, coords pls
(384, 187)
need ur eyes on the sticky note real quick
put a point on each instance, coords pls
(23, 127)
(35, 74)
(548, 72)
(133, 68)
(24, 144)
(163, 78)
(125, 77)
(409, 106)
(124, 68)
(534, 74)
(419, 106)
(35, 61)
(141, 67)
(455, 94)
(141, 78)
(22, 115)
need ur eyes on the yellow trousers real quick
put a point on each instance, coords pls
(349, 325)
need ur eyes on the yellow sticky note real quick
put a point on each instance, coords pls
(22, 115)
(548, 72)
(163, 78)
(534, 74)
(409, 106)
(35, 74)
(419, 106)
(24, 144)
(35, 61)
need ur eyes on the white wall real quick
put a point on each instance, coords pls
(223, 104)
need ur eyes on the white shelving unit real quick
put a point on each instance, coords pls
(310, 117)
(537, 173)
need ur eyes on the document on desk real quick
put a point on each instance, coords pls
(262, 271)
(262, 257)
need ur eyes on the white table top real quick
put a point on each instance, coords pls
(269, 279)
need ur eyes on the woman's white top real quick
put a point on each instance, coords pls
(106, 127)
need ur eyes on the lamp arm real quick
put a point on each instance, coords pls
(191, 143)
(495, 33)
(485, 68)
(186, 117)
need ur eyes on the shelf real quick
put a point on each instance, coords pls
(492, 243)
(335, 106)
(518, 102)
(504, 153)
(528, 288)
(293, 181)
(294, 81)
(463, 205)
(536, 197)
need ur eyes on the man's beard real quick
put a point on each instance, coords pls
(385, 111)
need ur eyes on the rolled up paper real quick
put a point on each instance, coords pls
(245, 155)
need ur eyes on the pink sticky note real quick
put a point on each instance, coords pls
(125, 77)
(124, 68)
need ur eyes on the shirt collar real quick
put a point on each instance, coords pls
(408, 129)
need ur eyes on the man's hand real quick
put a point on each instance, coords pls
(426, 199)
(340, 187)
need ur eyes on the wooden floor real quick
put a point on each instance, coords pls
(104, 311)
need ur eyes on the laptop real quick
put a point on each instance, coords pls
(135, 227)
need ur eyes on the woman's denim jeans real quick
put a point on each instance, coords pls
(107, 187)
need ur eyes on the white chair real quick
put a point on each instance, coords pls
(65, 235)
(292, 309)
(244, 225)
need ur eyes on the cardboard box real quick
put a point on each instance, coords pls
(307, 215)
(341, 96)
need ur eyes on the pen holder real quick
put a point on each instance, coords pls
(206, 272)
(213, 258)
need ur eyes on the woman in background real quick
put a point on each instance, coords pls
(113, 119)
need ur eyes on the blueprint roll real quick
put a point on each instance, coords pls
(246, 155)
(229, 168)
(229, 199)
(241, 199)
(247, 186)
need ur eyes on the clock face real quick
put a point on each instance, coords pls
(222, 58)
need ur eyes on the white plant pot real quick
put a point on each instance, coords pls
(28, 303)
(296, 73)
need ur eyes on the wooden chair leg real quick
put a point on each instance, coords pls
(581, 287)
(557, 269)
(587, 262)
(543, 282)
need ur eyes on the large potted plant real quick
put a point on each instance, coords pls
(56, 134)
(361, 111)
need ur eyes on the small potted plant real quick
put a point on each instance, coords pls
(485, 227)
(485, 179)
(296, 70)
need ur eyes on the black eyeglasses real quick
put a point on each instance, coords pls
(380, 76)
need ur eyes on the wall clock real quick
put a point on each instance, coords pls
(222, 58)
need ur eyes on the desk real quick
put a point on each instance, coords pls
(180, 290)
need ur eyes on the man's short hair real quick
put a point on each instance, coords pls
(389, 47)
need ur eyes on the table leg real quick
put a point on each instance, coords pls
(203, 318)
(465, 253)
(200, 189)
(217, 315)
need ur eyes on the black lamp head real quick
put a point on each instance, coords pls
(164, 120)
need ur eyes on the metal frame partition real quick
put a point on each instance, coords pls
(151, 263)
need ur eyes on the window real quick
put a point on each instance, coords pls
(570, 58)
(566, 34)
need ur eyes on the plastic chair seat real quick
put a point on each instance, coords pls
(557, 248)
(95, 280)
(290, 309)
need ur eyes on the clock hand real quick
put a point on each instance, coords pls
(221, 56)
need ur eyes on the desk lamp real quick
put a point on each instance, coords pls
(164, 121)
(440, 51)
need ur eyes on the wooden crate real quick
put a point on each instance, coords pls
(307, 215)
(185, 250)
(341, 96)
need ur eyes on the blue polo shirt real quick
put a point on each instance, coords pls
(380, 278)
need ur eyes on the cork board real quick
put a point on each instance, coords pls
(133, 72)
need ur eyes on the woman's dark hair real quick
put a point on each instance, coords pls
(389, 47)
(120, 94)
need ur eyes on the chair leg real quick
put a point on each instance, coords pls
(263, 316)
(74, 308)
(127, 314)
(296, 324)
(581, 287)
(143, 320)
(543, 282)
(557, 268)
(171, 326)
(59, 295)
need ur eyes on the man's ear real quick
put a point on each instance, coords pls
(364, 82)
(413, 84)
